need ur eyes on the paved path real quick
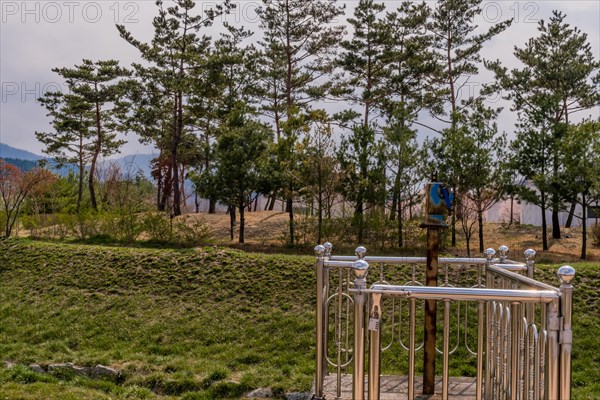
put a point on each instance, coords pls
(396, 388)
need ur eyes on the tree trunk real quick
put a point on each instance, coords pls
(544, 223)
(290, 210)
(512, 207)
(555, 220)
(400, 224)
(212, 205)
(571, 213)
(480, 223)
(583, 228)
(97, 149)
(231, 211)
(453, 219)
(242, 220)
(178, 129)
(468, 240)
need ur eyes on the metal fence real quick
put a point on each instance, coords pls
(516, 330)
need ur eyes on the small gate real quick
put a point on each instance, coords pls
(516, 329)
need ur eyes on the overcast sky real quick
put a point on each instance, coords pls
(36, 36)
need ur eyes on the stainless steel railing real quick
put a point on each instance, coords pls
(522, 327)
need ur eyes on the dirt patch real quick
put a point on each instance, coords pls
(269, 228)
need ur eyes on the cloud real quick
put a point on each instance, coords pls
(36, 36)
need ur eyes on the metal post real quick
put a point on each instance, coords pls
(529, 257)
(411, 349)
(326, 256)
(566, 275)
(319, 375)
(480, 348)
(489, 359)
(361, 269)
(515, 313)
(446, 351)
(433, 241)
(374, 346)
(552, 365)
(530, 308)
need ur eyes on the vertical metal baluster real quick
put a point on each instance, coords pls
(489, 283)
(552, 368)
(446, 351)
(498, 367)
(506, 345)
(361, 269)
(347, 352)
(411, 347)
(543, 351)
(319, 376)
(566, 275)
(326, 256)
(532, 341)
(480, 349)
(514, 350)
(374, 346)
(536, 363)
(522, 357)
(338, 329)
(530, 257)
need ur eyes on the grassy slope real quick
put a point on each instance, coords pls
(194, 324)
(174, 321)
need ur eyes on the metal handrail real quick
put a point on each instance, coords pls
(518, 356)
(462, 294)
(523, 280)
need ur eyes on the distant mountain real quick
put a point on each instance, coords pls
(23, 165)
(26, 160)
(7, 151)
(131, 163)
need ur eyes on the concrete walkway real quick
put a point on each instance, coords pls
(396, 388)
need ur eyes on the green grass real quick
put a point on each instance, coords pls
(213, 321)
(203, 323)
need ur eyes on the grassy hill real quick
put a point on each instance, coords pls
(203, 323)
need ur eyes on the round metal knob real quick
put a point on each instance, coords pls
(360, 252)
(319, 250)
(361, 268)
(503, 250)
(489, 254)
(566, 273)
(529, 254)
(328, 247)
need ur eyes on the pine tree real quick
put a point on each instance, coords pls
(176, 51)
(411, 80)
(71, 141)
(100, 84)
(363, 61)
(298, 48)
(581, 146)
(559, 78)
(458, 47)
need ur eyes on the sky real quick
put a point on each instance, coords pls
(36, 36)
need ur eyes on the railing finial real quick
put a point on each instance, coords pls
(328, 248)
(360, 251)
(529, 254)
(361, 269)
(489, 254)
(319, 250)
(503, 250)
(566, 274)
